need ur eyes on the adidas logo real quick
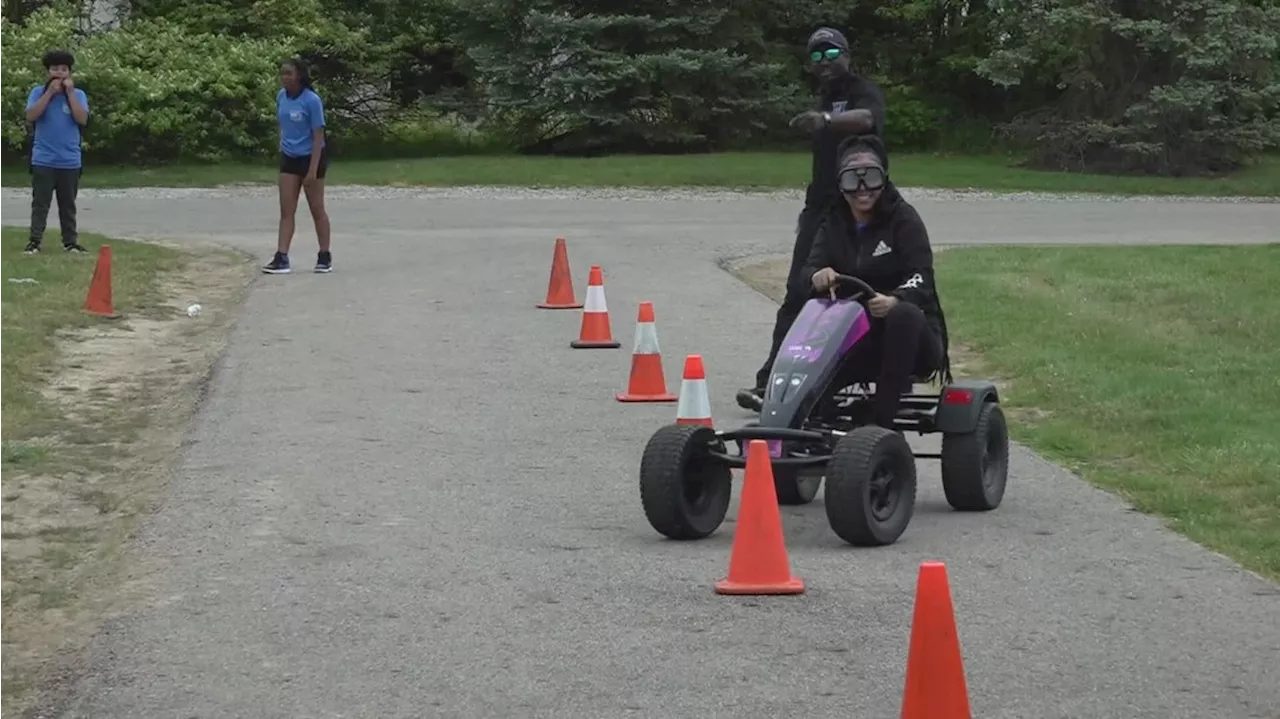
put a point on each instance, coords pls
(881, 249)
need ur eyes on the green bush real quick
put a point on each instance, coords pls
(156, 92)
(911, 122)
(415, 136)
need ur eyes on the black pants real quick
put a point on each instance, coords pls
(798, 290)
(45, 183)
(898, 346)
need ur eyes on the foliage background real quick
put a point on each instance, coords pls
(1170, 87)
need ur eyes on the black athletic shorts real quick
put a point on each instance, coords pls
(301, 165)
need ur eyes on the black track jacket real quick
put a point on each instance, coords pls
(892, 254)
(852, 92)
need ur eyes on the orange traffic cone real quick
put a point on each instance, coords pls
(98, 302)
(595, 332)
(695, 403)
(648, 384)
(935, 686)
(759, 562)
(560, 288)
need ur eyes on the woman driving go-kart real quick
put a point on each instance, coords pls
(875, 319)
(878, 237)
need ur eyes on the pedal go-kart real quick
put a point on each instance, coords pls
(816, 431)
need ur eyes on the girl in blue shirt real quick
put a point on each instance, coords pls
(303, 163)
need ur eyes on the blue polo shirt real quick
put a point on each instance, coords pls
(57, 136)
(298, 117)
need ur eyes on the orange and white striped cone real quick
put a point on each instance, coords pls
(695, 402)
(647, 384)
(595, 332)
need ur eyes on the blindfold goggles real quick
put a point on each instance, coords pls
(862, 178)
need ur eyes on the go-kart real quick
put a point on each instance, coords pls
(814, 430)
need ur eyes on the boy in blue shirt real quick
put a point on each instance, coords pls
(56, 112)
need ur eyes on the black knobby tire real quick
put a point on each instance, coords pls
(685, 493)
(871, 487)
(975, 465)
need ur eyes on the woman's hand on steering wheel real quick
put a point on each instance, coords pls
(824, 280)
(828, 279)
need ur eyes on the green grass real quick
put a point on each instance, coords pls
(34, 312)
(48, 454)
(1155, 373)
(761, 170)
(63, 499)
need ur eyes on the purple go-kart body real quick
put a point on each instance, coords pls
(810, 355)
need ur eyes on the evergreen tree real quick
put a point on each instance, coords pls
(1161, 86)
(590, 77)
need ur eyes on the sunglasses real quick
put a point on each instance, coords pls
(831, 54)
(862, 178)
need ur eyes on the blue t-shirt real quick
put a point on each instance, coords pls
(57, 136)
(298, 117)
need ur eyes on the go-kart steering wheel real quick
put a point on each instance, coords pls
(862, 290)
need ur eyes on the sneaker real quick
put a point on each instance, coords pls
(279, 265)
(74, 247)
(324, 262)
(752, 399)
(32, 248)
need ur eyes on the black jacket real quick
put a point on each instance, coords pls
(851, 92)
(892, 254)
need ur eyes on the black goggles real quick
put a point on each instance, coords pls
(862, 178)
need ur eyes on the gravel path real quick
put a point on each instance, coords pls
(626, 193)
(405, 496)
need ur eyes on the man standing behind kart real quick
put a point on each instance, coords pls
(848, 104)
(56, 111)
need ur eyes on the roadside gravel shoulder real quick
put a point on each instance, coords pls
(478, 192)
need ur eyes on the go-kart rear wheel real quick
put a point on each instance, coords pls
(975, 465)
(871, 487)
(684, 491)
(793, 489)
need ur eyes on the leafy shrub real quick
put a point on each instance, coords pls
(157, 92)
(911, 122)
(415, 136)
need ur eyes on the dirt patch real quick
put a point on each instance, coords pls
(125, 391)
(768, 276)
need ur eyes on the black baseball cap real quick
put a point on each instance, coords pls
(827, 36)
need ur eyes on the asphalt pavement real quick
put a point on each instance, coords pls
(405, 495)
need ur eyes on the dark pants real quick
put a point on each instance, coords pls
(898, 346)
(798, 289)
(301, 165)
(45, 183)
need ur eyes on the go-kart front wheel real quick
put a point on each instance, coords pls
(975, 465)
(684, 491)
(871, 487)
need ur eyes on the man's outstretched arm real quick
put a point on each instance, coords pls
(867, 117)
(858, 121)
